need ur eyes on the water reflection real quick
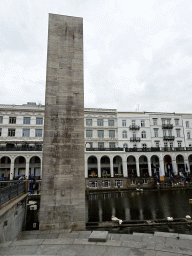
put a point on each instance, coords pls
(133, 205)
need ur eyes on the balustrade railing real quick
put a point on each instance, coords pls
(21, 149)
(134, 127)
(167, 126)
(104, 149)
(152, 149)
(168, 137)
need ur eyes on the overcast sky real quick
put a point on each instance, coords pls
(135, 52)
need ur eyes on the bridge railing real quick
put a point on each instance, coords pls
(9, 190)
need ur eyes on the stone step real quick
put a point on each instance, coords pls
(98, 236)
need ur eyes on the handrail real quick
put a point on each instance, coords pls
(9, 190)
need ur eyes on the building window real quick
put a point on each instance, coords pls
(111, 134)
(12, 120)
(1, 119)
(89, 133)
(26, 132)
(188, 135)
(145, 181)
(133, 123)
(111, 122)
(163, 121)
(176, 122)
(143, 134)
(179, 144)
(168, 121)
(106, 183)
(38, 133)
(164, 132)
(156, 133)
(89, 122)
(157, 144)
(118, 183)
(144, 145)
(170, 132)
(99, 122)
(154, 121)
(90, 144)
(123, 122)
(100, 133)
(187, 124)
(0, 131)
(165, 144)
(39, 120)
(111, 144)
(124, 134)
(178, 133)
(142, 123)
(134, 146)
(11, 132)
(125, 145)
(133, 182)
(100, 144)
(26, 120)
(134, 135)
(93, 184)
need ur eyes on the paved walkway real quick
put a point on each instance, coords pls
(76, 243)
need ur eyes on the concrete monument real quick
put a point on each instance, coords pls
(63, 179)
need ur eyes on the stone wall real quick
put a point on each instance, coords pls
(12, 218)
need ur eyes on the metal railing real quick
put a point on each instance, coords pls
(104, 149)
(167, 126)
(137, 139)
(21, 149)
(168, 137)
(134, 127)
(9, 190)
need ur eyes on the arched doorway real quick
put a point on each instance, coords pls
(105, 167)
(35, 167)
(190, 163)
(155, 165)
(19, 166)
(92, 167)
(131, 167)
(117, 166)
(143, 167)
(180, 164)
(168, 165)
(5, 165)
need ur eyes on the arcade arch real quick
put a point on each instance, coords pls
(168, 165)
(180, 163)
(92, 167)
(190, 163)
(117, 166)
(155, 165)
(5, 165)
(19, 166)
(143, 166)
(35, 166)
(105, 167)
(131, 166)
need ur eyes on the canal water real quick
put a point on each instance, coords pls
(145, 205)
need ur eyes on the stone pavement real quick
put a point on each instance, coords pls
(64, 242)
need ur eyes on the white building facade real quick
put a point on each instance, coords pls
(119, 146)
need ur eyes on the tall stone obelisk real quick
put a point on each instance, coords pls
(63, 179)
